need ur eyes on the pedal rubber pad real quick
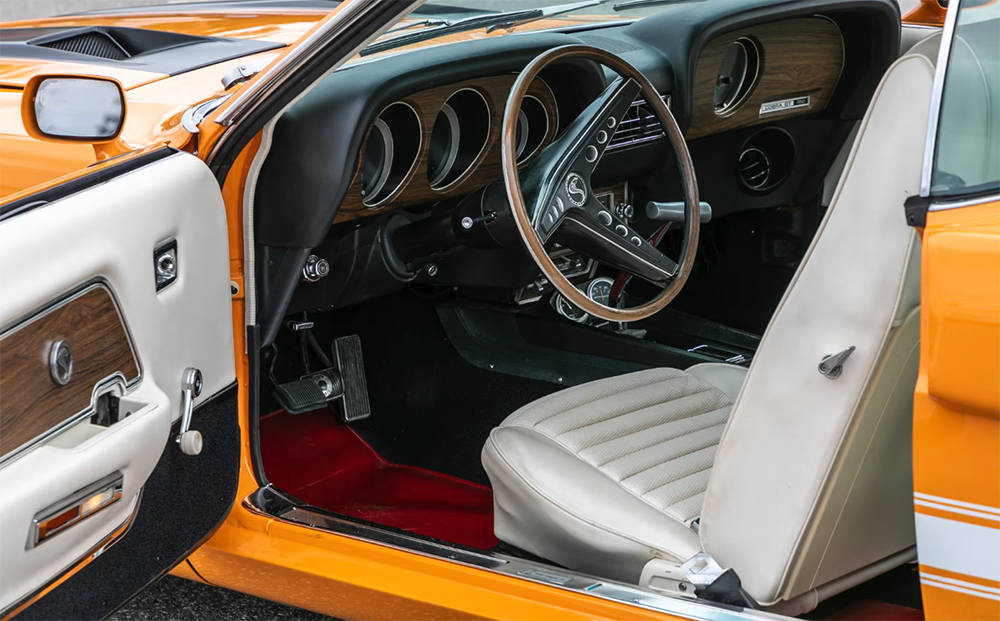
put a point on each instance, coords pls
(354, 405)
(300, 396)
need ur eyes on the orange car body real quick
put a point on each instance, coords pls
(956, 424)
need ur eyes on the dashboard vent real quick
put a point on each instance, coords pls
(755, 168)
(92, 43)
(638, 126)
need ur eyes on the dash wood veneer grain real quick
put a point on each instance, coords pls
(801, 56)
(31, 403)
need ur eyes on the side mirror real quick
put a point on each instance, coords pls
(76, 109)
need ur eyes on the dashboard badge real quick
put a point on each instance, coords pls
(576, 189)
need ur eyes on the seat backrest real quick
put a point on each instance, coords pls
(812, 481)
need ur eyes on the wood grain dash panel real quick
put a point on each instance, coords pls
(416, 188)
(801, 56)
(31, 403)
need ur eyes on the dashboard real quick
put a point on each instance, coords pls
(765, 93)
(445, 142)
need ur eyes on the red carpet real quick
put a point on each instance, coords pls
(872, 610)
(323, 462)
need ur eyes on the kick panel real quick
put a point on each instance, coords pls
(51, 363)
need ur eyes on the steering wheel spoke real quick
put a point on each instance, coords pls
(603, 237)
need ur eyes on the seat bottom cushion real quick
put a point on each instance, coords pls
(605, 476)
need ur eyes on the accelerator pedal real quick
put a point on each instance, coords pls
(354, 404)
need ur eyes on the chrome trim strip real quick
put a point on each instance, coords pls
(114, 537)
(981, 200)
(268, 501)
(937, 91)
(114, 381)
(346, 15)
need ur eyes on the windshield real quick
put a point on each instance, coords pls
(431, 23)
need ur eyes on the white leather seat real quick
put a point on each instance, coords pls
(801, 483)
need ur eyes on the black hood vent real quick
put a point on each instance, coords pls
(140, 49)
(93, 43)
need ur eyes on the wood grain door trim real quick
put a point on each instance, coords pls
(33, 408)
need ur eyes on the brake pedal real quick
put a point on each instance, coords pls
(300, 396)
(354, 405)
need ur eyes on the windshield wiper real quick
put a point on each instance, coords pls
(547, 11)
(636, 4)
(492, 21)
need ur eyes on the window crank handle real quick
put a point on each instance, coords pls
(191, 385)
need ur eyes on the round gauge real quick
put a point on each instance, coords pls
(567, 309)
(737, 75)
(391, 151)
(532, 127)
(521, 135)
(599, 290)
(378, 159)
(458, 137)
(445, 136)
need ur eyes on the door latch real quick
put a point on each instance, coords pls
(832, 365)
(189, 440)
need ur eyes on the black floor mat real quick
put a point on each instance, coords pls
(430, 408)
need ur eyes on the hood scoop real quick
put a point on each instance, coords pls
(96, 42)
(139, 49)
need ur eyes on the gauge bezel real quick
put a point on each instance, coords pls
(405, 177)
(520, 155)
(449, 171)
(454, 139)
(385, 165)
(749, 79)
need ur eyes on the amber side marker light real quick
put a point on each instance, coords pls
(73, 509)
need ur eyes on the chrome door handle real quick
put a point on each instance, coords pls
(191, 385)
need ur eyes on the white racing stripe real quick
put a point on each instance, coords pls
(959, 547)
(958, 589)
(957, 503)
(953, 509)
(962, 583)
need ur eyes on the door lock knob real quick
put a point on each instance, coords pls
(189, 440)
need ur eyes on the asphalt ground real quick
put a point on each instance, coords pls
(177, 599)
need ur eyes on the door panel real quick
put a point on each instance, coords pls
(956, 431)
(80, 269)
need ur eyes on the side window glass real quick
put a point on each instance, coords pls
(967, 154)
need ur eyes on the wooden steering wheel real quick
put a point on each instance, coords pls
(552, 200)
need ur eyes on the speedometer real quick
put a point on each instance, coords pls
(599, 290)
